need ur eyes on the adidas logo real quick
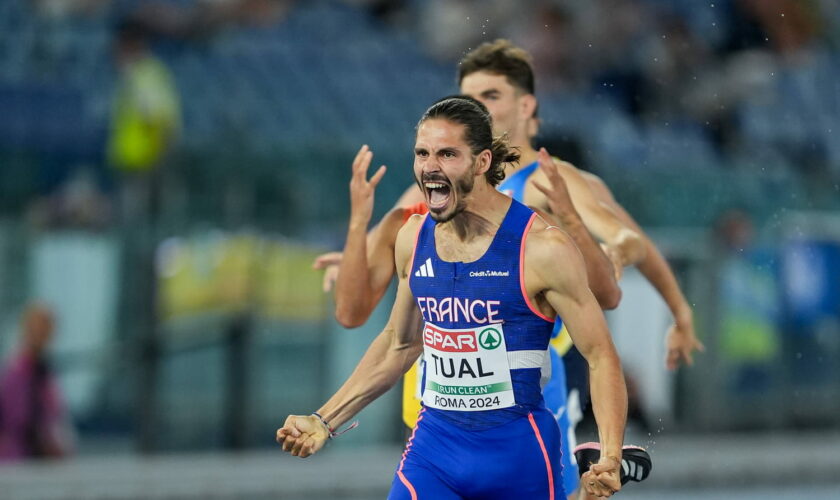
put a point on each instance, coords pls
(426, 270)
(632, 469)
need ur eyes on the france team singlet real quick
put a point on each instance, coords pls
(484, 431)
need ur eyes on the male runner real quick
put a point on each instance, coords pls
(365, 272)
(366, 266)
(500, 75)
(487, 280)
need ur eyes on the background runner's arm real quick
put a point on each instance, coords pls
(567, 292)
(681, 339)
(366, 269)
(391, 353)
(599, 268)
(601, 220)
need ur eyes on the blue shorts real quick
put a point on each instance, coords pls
(520, 459)
(554, 394)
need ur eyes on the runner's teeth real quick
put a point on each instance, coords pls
(433, 185)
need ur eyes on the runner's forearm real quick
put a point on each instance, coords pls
(353, 292)
(609, 401)
(657, 271)
(379, 369)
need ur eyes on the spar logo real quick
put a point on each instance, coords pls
(490, 338)
(446, 341)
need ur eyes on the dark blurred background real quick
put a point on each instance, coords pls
(169, 169)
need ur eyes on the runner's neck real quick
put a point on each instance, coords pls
(483, 215)
(527, 156)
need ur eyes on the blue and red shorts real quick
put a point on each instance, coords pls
(519, 459)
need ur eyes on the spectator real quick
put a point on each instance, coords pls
(33, 420)
(145, 119)
(749, 303)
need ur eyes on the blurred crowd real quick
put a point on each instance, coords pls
(734, 82)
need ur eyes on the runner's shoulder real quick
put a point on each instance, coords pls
(546, 242)
(406, 239)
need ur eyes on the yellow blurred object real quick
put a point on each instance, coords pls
(145, 116)
(221, 273)
(286, 286)
(562, 342)
(411, 397)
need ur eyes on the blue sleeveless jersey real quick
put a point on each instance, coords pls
(461, 296)
(514, 185)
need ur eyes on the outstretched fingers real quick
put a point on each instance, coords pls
(358, 161)
(327, 259)
(377, 176)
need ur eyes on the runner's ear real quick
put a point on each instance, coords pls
(483, 162)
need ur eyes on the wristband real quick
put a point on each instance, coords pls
(332, 432)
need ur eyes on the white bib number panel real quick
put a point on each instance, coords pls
(466, 369)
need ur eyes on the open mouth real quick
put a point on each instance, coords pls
(437, 194)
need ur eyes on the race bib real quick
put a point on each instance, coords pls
(466, 369)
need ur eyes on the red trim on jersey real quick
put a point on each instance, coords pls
(531, 306)
(418, 208)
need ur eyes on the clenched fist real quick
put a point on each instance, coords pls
(602, 479)
(302, 435)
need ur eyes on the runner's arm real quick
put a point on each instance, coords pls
(681, 338)
(599, 268)
(601, 220)
(565, 289)
(388, 357)
(393, 351)
(366, 269)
